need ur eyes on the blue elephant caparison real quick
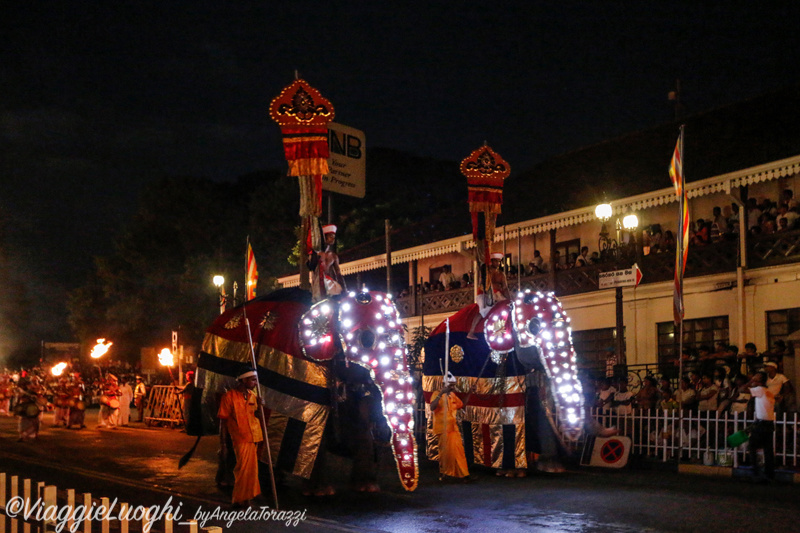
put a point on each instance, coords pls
(490, 357)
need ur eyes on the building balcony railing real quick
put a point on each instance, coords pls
(715, 258)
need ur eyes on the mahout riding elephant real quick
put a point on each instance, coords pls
(330, 373)
(518, 360)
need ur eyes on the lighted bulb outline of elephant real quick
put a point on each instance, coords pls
(363, 328)
(511, 328)
(388, 368)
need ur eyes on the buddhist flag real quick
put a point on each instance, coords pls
(251, 273)
(682, 248)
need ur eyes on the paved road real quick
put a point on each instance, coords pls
(139, 465)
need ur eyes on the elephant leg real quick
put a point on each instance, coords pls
(549, 459)
(365, 465)
(540, 437)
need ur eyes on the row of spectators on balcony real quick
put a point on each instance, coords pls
(771, 217)
(763, 218)
(575, 260)
(656, 241)
(447, 281)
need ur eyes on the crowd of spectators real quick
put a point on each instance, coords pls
(712, 381)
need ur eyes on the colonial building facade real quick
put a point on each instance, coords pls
(743, 286)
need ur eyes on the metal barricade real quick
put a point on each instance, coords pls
(164, 406)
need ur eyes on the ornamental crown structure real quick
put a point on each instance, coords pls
(299, 104)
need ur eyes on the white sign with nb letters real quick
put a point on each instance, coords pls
(347, 163)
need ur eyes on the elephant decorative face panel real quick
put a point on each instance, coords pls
(318, 331)
(499, 328)
(369, 333)
(540, 320)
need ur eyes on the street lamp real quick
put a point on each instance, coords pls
(630, 222)
(607, 247)
(603, 212)
(219, 282)
(614, 248)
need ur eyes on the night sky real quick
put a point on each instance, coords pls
(99, 98)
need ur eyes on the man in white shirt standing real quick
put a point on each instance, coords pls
(779, 385)
(763, 430)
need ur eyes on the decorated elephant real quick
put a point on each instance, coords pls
(497, 361)
(333, 372)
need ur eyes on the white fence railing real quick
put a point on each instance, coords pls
(657, 433)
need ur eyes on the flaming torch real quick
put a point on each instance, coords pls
(58, 369)
(168, 360)
(100, 348)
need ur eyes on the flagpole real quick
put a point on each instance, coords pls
(680, 266)
(444, 396)
(262, 418)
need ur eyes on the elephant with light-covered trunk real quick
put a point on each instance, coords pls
(497, 359)
(339, 363)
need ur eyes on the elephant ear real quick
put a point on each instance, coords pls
(318, 336)
(498, 327)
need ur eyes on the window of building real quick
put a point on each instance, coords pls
(781, 324)
(696, 333)
(566, 249)
(593, 346)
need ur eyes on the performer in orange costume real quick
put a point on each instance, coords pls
(237, 415)
(452, 460)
